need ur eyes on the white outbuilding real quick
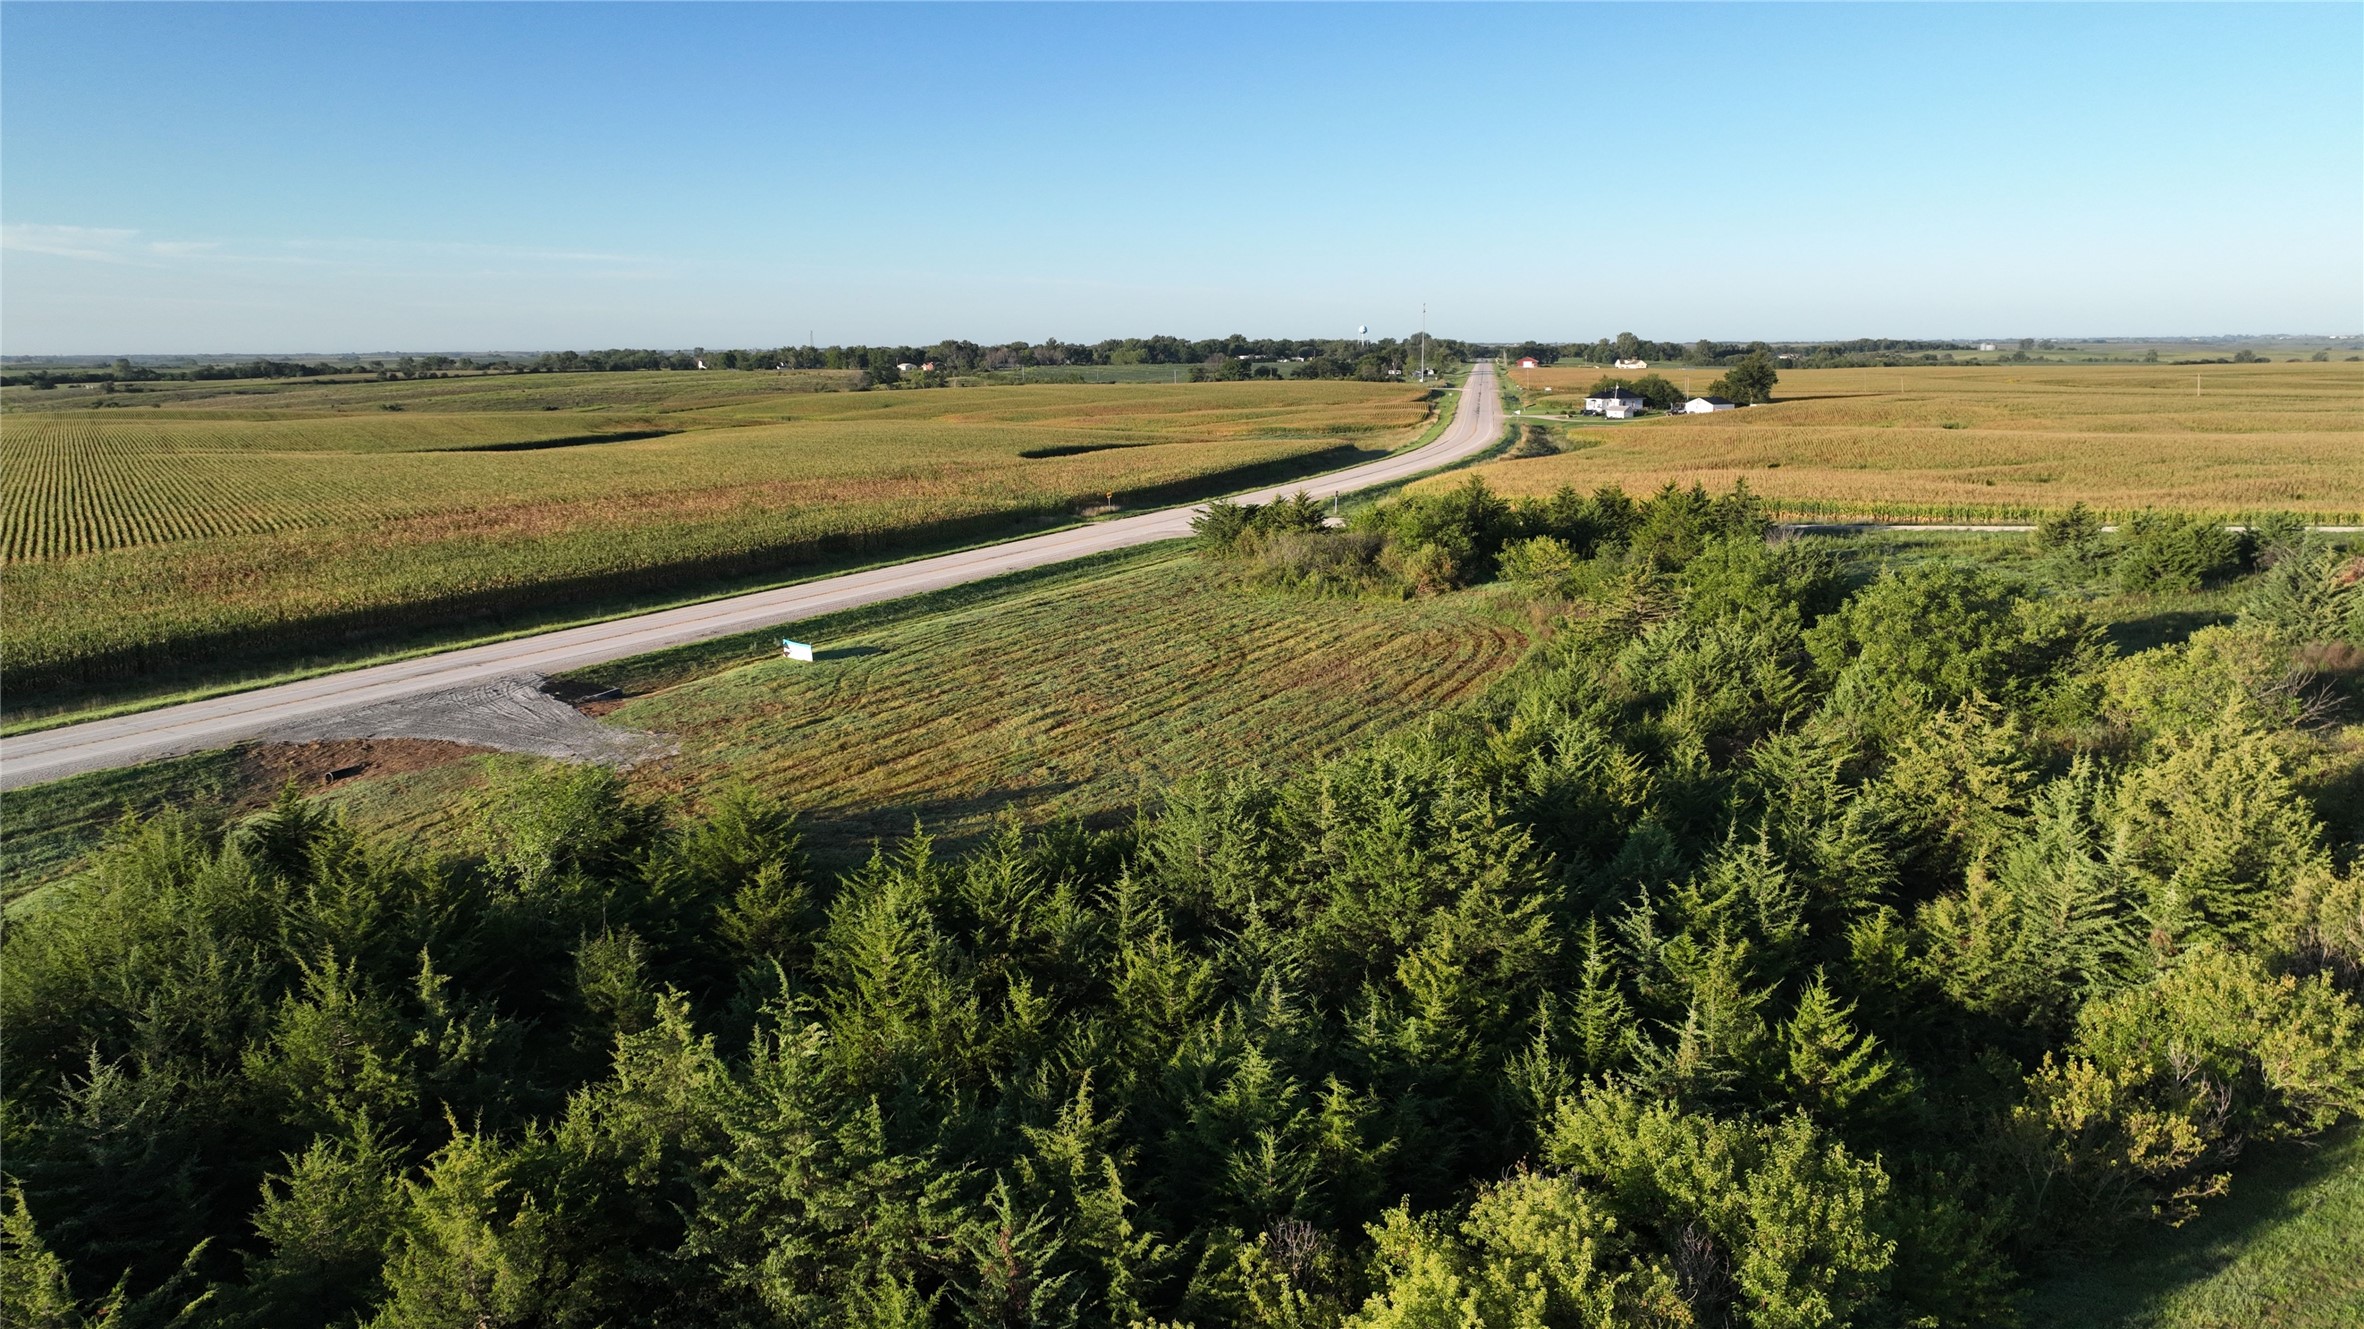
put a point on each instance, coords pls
(1704, 405)
(1617, 403)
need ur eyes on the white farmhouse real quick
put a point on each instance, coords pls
(1633, 364)
(1617, 403)
(1704, 405)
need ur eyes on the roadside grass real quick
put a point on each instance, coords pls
(2284, 1250)
(45, 828)
(1074, 691)
(1991, 443)
(158, 553)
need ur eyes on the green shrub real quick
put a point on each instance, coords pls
(2312, 591)
(2073, 540)
(1222, 527)
(1935, 635)
(1541, 563)
(2172, 554)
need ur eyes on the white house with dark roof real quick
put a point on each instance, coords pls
(1618, 403)
(1704, 405)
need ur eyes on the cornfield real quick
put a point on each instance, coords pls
(1997, 443)
(191, 540)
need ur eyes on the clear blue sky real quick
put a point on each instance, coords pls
(294, 178)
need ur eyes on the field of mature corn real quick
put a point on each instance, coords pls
(142, 540)
(1998, 442)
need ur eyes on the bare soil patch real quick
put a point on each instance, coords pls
(317, 765)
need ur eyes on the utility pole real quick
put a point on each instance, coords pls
(1424, 341)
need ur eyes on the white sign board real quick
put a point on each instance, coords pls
(796, 650)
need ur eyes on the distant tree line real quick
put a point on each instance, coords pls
(1232, 357)
(123, 370)
(1705, 353)
(1235, 356)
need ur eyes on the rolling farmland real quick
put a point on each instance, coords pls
(138, 541)
(1999, 442)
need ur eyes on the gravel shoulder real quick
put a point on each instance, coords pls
(516, 713)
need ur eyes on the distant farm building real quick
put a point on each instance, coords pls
(905, 368)
(1703, 405)
(1616, 403)
(1986, 346)
(1530, 362)
(1633, 364)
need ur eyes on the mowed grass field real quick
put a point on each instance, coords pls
(2285, 1250)
(1075, 692)
(2001, 442)
(1072, 699)
(271, 525)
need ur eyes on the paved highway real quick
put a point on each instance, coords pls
(238, 717)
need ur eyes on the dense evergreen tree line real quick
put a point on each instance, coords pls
(1771, 950)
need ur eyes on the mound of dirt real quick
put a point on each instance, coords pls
(316, 766)
(514, 714)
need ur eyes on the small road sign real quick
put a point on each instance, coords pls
(796, 650)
